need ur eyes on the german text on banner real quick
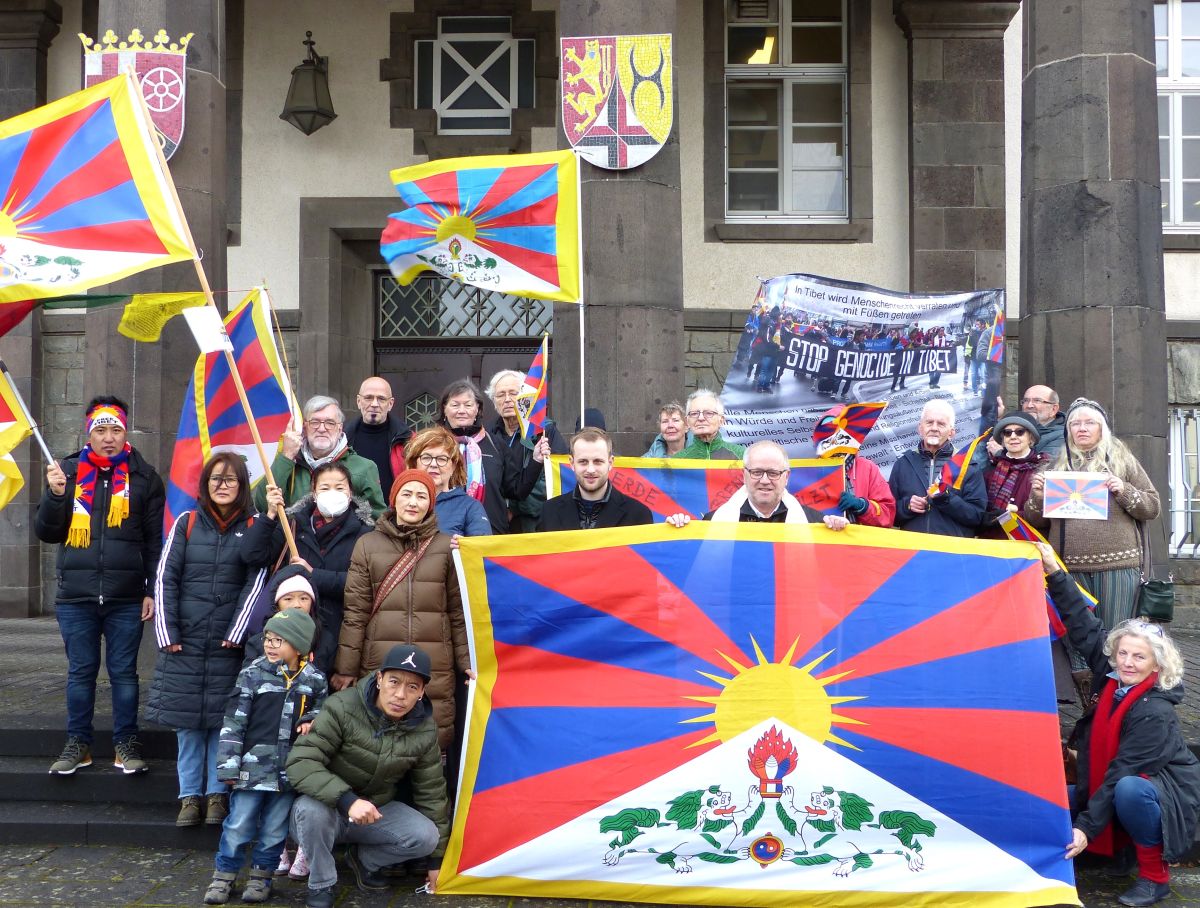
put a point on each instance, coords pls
(212, 418)
(695, 487)
(84, 200)
(505, 222)
(760, 715)
(810, 341)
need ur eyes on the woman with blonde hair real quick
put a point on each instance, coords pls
(1139, 783)
(435, 451)
(1104, 555)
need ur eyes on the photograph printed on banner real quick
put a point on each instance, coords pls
(810, 343)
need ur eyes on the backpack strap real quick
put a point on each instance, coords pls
(401, 569)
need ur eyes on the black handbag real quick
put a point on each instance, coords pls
(1156, 598)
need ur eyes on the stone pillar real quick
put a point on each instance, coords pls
(1093, 320)
(633, 266)
(153, 377)
(956, 141)
(26, 30)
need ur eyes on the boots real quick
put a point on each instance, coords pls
(1152, 882)
(258, 886)
(190, 811)
(218, 889)
(216, 809)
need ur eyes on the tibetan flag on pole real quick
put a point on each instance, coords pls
(14, 427)
(508, 223)
(83, 198)
(11, 480)
(695, 487)
(954, 471)
(531, 401)
(213, 418)
(996, 344)
(759, 715)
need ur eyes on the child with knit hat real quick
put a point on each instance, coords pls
(278, 695)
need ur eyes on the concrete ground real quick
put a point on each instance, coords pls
(32, 686)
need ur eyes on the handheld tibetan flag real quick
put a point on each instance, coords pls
(853, 751)
(508, 223)
(14, 426)
(213, 418)
(11, 480)
(954, 471)
(996, 344)
(531, 402)
(842, 430)
(83, 198)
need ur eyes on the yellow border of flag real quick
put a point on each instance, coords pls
(21, 429)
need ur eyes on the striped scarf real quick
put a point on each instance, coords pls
(90, 464)
(473, 459)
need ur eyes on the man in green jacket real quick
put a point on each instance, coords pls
(322, 442)
(345, 770)
(705, 416)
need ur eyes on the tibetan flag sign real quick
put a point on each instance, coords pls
(531, 401)
(760, 715)
(1075, 496)
(84, 199)
(508, 223)
(695, 487)
(213, 418)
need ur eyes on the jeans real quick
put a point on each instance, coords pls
(82, 625)
(401, 834)
(1135, 801)
(197, 761)
(258, 816)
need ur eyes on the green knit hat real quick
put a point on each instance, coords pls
(295, 626)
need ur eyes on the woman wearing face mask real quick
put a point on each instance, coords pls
(326, 524)
(435, 451)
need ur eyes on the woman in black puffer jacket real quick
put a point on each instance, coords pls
(203, 591)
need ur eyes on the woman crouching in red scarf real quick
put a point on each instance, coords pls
(1138, 782)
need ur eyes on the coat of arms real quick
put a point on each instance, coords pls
(616, 97)
(159, 67)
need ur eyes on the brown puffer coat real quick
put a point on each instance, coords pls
(425, 609)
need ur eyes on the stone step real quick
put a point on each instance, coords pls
(28, 779)
(38, 740)
(145, 825)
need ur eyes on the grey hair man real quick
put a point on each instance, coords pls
(705, 416)
(321, 441)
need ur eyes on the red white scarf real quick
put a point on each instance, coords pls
(473, 459)
(90, 464)
(1105, 742)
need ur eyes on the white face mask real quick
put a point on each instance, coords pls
(332, 503)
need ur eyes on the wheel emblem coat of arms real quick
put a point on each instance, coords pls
(158, 64)
(616, 97)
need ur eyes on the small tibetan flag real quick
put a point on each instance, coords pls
(531, 402)
(954, 471)
(996, 344)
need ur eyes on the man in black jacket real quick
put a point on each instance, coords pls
(104, 506)
(377, 433)
(594, 503)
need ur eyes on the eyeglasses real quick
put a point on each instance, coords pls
(374, 398)
(770, 474)
(1026, 401)
(218, 482)
(506, 395)
(1013, 433)
(703, 414)
(439, 460)
(1083, 424)
(272, 640)
(324, 423)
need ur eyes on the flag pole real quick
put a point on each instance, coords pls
(25, 412)
(282, 349)
(208, 295)
(582, 281)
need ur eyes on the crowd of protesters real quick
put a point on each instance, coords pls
(319, 691)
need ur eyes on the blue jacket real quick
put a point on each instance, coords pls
(658, 447)
(460, 514)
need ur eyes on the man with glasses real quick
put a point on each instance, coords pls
(377, 433)
(1041, 404)
(705, 416)
(593, 503)
(323, 441)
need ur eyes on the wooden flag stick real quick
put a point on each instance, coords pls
(208, 296)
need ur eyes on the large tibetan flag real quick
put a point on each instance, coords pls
(756, 714)
(84, 199)
(531, 401)
(506, 222)
(695, 487)
(213, 418)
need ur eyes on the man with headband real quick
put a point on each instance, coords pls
(840, 432)
(104, 507)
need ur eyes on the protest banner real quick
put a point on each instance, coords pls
(809, 341)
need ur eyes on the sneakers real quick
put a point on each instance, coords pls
(319, 898)
(220, 887)
(368, 881)
(258, 887)
(299, 869)
(1144, 892)
(128, 757)
(75, 754)
(285, 862)
(216, 809)
(190, 812)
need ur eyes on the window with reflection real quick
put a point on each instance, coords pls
(1177, 60)
(786, 110)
